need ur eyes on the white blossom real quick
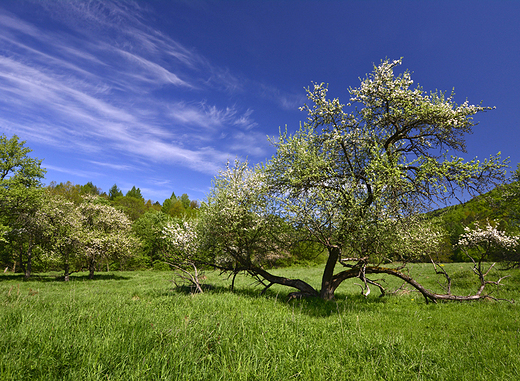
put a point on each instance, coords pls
(486, 238)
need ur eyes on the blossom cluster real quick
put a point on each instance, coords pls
(182, 238)
(487, 237)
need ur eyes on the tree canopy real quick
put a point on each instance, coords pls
(354, 181)
(20, 196)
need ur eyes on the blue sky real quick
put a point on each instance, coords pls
(160, 94)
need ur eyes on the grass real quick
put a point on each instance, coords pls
(137, 326)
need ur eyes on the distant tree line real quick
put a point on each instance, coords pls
(71, 227)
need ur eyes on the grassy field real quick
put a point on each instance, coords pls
(138, 326)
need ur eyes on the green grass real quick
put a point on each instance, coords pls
(137, 326)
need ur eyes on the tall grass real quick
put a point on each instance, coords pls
(138, 326)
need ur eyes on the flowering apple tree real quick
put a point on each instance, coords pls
(62, 225)
(486, 241)
(182, 249)
(239, 229)
(482, 244)
(105, 232)
(352, 179)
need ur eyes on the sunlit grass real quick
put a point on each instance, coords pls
(137, 326)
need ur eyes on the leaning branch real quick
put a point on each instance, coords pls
(429, 295)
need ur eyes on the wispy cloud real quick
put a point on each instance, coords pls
(152, 72)
(75, 172)
(118, 167)
(92, 88)
(284, 100)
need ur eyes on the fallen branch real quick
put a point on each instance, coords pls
(193, 278)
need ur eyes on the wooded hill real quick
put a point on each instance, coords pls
(500, 207)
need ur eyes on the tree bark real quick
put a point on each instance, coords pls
(305, 288)
(91, 269)
(20, 257)
(327, 280)
(28, 267)
(428, 295)
(67, 273)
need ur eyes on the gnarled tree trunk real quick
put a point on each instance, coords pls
(327, 280)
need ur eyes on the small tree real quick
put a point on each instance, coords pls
(106, 233)
(182, 252)
(239, 229)
(63, 231)
(488, 243)
(483, 244)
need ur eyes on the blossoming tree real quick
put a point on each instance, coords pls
(105, 232)
(343, 173)
(353, 182)
(482, 244)
(182, 249)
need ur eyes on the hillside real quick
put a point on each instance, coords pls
(499, 206)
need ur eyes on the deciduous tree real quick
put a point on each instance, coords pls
(105, 232)
(182, 250)
(354, 181)
(61, 224)
(149, 229)
(20, 195)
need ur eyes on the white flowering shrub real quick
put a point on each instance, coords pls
(487, 241)
(61, 221)
(182, 250)
(418, 239)
(237, 223)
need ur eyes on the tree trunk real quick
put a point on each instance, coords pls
(91, 269)
(67, 273)
(20, 256)
(28, 267)
(327, 284)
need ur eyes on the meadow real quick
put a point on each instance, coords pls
(139, 326)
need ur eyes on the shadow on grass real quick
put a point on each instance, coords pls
(60, 278)
(311, 306)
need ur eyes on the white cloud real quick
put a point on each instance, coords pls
(250, 143)
(153, 72)
(92, 89)
(75, 171)
(118, 167)
(285, 100)
(245, 121)
(201, 114)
